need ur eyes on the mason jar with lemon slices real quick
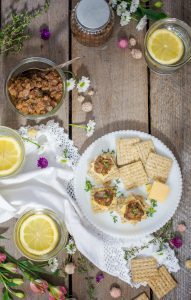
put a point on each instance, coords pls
(40, 234)
(12, 152)
(167, 45)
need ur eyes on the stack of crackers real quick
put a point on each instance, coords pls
(158, 279)
(138, 162)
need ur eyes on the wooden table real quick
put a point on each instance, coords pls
(128, 96)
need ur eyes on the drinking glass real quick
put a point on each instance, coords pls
(62, 234)
(8, 132)
(183, 31)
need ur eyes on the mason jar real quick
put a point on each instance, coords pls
(92, 22)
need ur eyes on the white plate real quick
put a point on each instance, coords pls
(104, 221)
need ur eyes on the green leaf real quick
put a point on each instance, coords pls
(2, 237)
(153, 14)
(6, 295)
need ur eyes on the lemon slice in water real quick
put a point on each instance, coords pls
(39, 234)
(10, 155)
(165, 47)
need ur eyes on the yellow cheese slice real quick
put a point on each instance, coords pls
(159, 191)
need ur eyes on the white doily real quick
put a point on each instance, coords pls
(52, 136)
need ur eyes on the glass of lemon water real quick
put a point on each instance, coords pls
(40, 234)
(167, 45)
(12, 152)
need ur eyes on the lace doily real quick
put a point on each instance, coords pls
(52, 136)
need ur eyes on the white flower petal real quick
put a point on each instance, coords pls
(142, 23)
(134, 5)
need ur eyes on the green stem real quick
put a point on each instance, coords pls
(28, 140)
(78, 126)
(70, 72)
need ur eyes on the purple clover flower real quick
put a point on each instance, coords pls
(42, 162)
(176, 242)
(45, 33)
(99, 277)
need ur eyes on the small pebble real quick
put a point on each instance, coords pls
(80, 98)
(188, 264)
(115, 292)
(181, 227)
(87, 106)
(91, 93)
(136, 53)
(132, 42)
(123, 43)
(70, 268)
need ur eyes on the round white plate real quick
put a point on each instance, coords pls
(104, 221)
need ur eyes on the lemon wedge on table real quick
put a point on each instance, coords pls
(10, 155)
(165, 47)
(39, 234)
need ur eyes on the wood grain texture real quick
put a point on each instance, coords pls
(56, 49)
(171, 122)
(120, 102)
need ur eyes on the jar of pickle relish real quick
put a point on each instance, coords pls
(92, 22)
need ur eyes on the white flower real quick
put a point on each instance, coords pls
(70, 84)
(83, 84)
(71, 247)
(125, 18)
(142, 23)
(121, 8)
(53, 264)
(90, 128)
(43, 148)
(113, 3)
(134, 5)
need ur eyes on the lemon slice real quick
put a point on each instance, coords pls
(39, 234)
(10, 155)
(165, 47)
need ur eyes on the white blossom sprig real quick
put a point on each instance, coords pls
(89, 127)
(71, 247)
(137, 10)
(53, 264)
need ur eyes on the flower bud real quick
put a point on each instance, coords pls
(18, 281)
(20, 295)
(10, 267)
(3, 257)
(39, 286)
(70, 268)
(158, 4)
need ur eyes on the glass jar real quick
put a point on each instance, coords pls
(92, 22)
(8, 132)
(62, 234)
(183, 31)
(33, 63)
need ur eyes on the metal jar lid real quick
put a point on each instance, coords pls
(92, 15)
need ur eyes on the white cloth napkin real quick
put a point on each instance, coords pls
(51, 188)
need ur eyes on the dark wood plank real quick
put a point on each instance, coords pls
(120, 102)
(171, 122)
(56, 49)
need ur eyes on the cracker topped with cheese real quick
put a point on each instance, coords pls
(103, 199)
(159, 191)
(103, 168)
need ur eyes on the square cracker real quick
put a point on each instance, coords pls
(143, 296)
(158, 167)
(126, 153)
(163, 284)
(133, 175)
(143, 268)
(143, 149)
